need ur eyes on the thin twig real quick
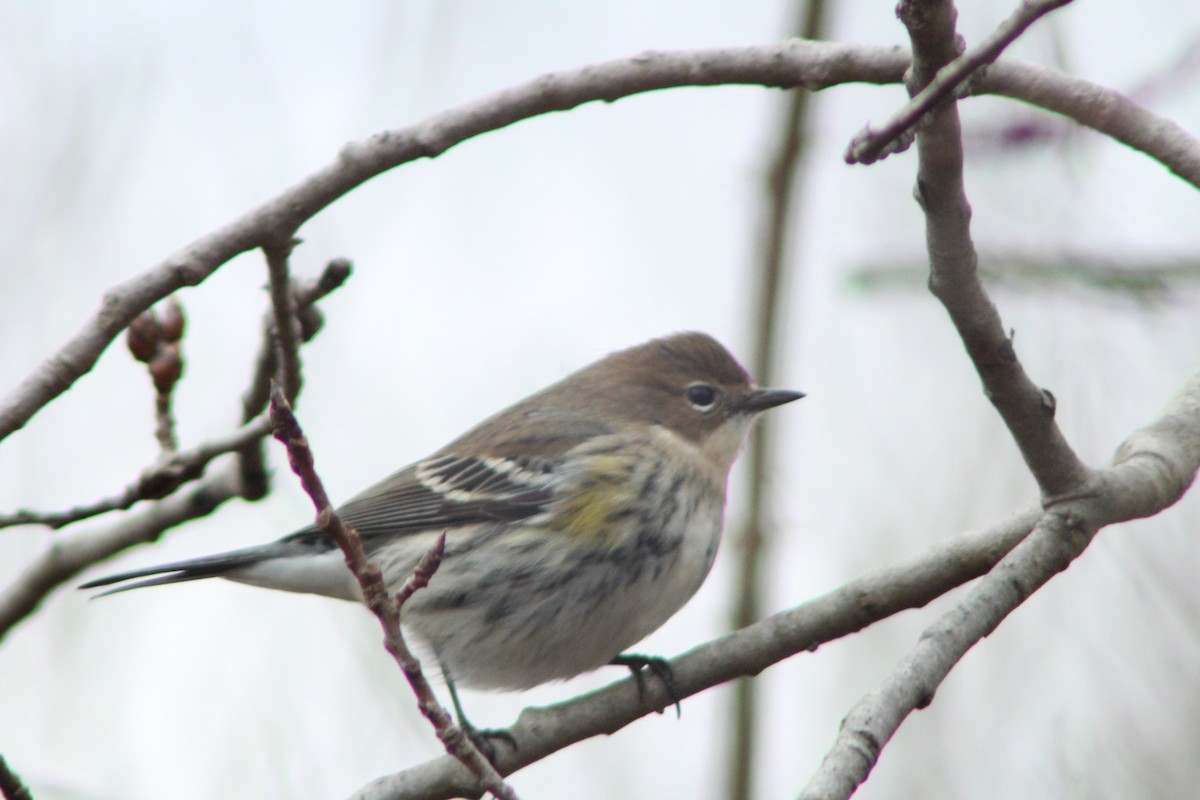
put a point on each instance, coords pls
(781, 220)
(813, 65)
(166, 367)
(164, 424)
(154, 483)
(11, 787)
(375, 595)
(157, 343)
(870, 145)
(254, 401)
(283, 304)
(252, 458)
(330, 280)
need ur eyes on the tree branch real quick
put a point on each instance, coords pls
(287, 340)
(788, 65)
(1150, 471)
(795, 63)
(1100, 108)
(779, 227)
(375, 595)
(850, 608)
(154, 483)
(68, 556)
(954, 277)
(252, 458)
(868, 146)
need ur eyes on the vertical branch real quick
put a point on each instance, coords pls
(780, 211)
(284, 305)
(1026, 409)
(384, 606)
(1069, 523)
(252, 459)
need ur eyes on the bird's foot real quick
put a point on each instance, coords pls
(482, 738)
(485, 739)
(638, 665)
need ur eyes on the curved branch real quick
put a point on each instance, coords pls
(812, 65)
(1100, 108)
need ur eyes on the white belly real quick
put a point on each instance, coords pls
(557, 612)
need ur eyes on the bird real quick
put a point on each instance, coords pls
(577, 521)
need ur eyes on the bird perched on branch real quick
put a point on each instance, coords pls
(577, 520)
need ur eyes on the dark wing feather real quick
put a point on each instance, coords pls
(447, 491)
(450, 489)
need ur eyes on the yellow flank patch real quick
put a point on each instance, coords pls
(599, 501)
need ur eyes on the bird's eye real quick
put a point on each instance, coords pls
(701, 396)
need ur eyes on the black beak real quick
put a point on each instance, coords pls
(762, 399)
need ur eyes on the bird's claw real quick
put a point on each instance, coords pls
(637, 666)
(484, 739)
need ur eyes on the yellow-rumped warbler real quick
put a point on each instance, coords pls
(578, 520)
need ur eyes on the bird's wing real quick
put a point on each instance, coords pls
(443, 491)
(450, 490)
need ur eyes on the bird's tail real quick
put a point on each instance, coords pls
(230, 565)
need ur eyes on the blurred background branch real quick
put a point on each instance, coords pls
(1143, 280)
(777, 243)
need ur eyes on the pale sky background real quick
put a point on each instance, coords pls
(129, 129)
